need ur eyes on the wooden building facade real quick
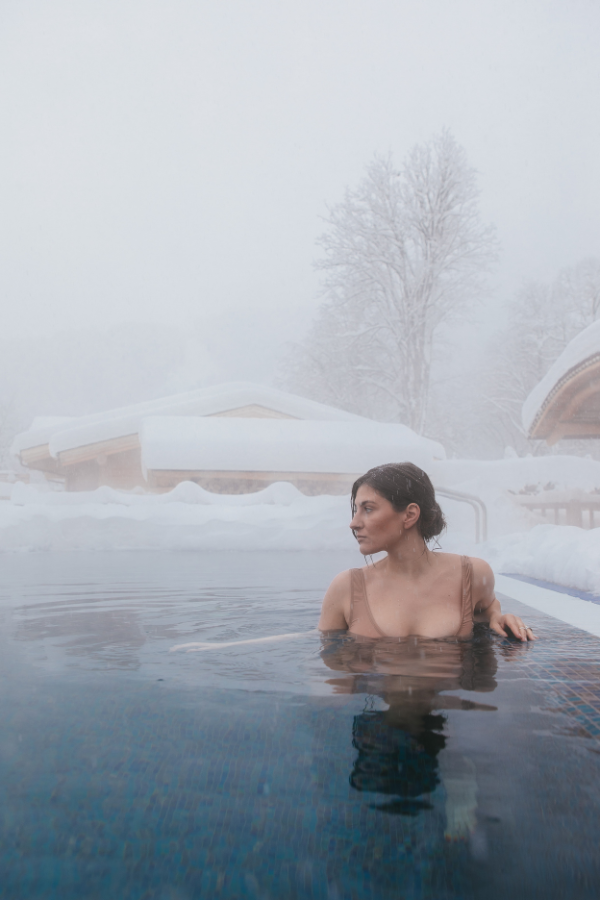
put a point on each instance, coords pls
(566, 403)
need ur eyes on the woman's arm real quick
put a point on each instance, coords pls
(486, 608)
(336, 604)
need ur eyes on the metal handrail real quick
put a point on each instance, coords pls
(478, 506)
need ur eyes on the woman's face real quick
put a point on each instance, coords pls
(376, 524)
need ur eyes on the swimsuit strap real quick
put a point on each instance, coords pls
(359, 603)
(466, 624)
(356, 592)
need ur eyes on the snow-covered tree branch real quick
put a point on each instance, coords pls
(404, 252)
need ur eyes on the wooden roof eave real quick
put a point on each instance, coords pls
(40, 457)
(87, 452)
(556, 417)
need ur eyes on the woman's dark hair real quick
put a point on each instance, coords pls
(401, 484)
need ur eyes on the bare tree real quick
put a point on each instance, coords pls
(576, 294)
(403, 253)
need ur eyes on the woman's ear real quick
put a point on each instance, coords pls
(412, 514)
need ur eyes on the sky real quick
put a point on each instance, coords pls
(170, 162)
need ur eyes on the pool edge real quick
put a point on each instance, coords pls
(580, 613)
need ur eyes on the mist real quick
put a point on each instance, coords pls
(168, 166)
(298, 294)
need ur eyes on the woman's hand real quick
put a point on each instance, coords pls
(511, 626)
(486, 607)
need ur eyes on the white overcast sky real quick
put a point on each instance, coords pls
(169, 161)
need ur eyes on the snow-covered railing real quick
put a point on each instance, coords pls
(478, 505)
(572, 503)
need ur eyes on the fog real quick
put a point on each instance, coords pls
(165, 170)
(251, 250)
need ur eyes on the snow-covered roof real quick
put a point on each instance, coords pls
(50, 422)
(68, 433)
(279, 445)
(581, 352)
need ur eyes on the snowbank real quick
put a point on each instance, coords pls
(560, 554)
(282, 518)
(278, 518)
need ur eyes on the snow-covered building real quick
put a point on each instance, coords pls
(566, 402)
(232, 438)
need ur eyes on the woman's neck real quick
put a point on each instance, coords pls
(409, 557)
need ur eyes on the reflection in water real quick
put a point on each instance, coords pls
(398, 748)
(393, 761)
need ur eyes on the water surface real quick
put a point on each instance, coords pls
(312, 768)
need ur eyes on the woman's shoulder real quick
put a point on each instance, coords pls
(483, 576)
(480, 566)
(340, 585)
(481, 573)
(336, 603)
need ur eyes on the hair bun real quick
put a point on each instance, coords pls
(401, 484)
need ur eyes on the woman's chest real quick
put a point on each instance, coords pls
(434, 610)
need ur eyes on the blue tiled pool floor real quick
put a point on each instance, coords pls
(154, 795)
(576, 687)
(308, 770)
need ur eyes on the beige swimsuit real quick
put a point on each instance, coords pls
(363, 623)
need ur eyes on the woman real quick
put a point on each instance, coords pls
(412, 590)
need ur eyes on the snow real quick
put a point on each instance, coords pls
(584, 346)
(514, 474)
(282, 518)
(556, 553)
(278, 518)
(50, 422)
(560, 554)
(66, 433)
(189, 518)
(279, 445)
(280, 493)
(501, 483)
(91, 433)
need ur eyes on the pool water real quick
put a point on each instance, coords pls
(306, 768)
